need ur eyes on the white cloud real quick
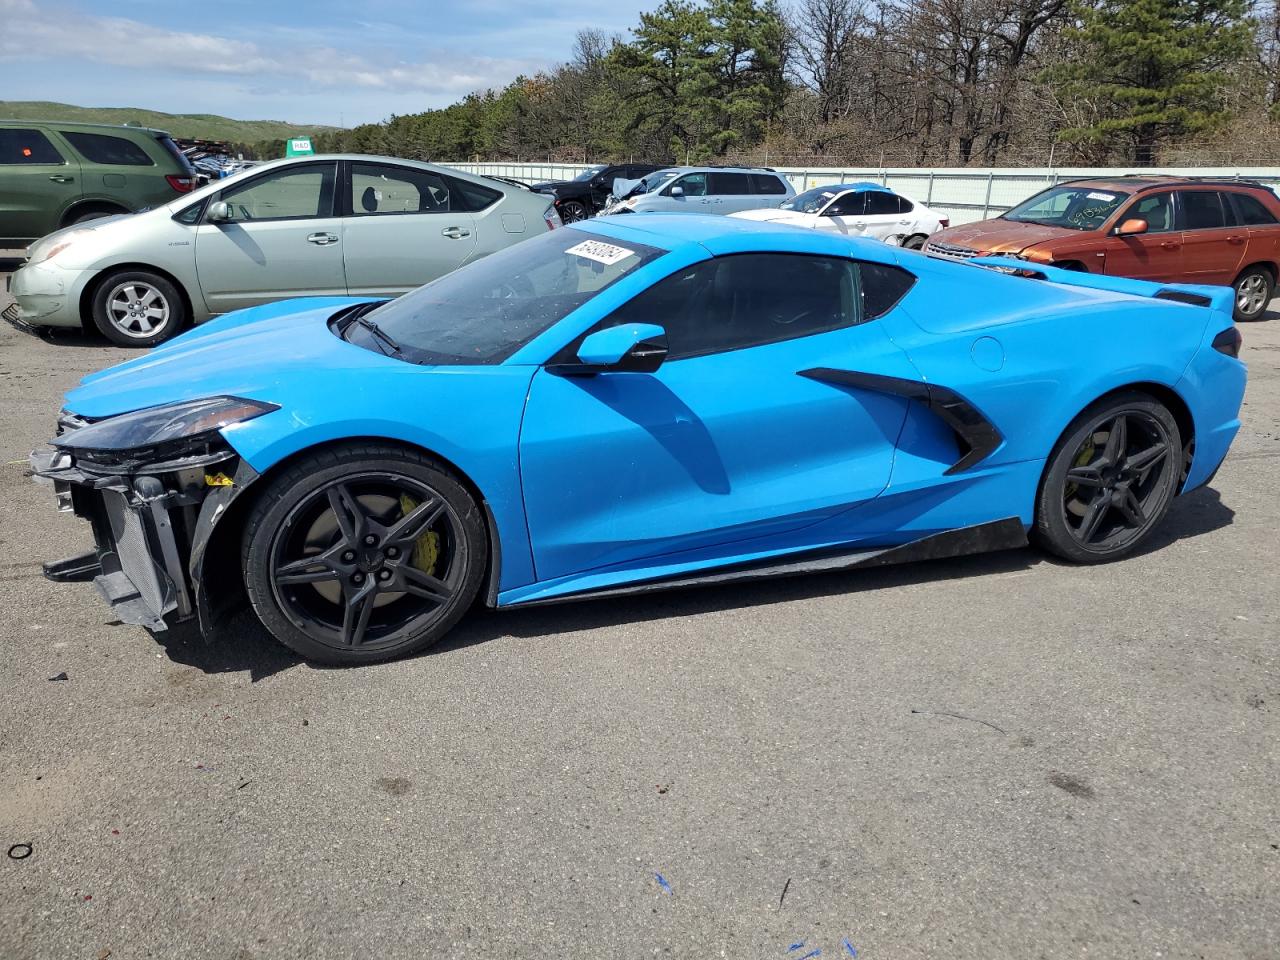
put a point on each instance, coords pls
(30, 34)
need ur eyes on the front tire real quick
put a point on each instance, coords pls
(138, 308)
(362, 554)
(915, 241)
(1110, 479)
(1254, 288)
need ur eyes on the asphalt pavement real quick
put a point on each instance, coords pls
(999, 756)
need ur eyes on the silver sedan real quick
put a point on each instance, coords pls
(308, 226)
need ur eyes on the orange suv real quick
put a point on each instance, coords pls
(1167, 229)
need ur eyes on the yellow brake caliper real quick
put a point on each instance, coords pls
(426, 549)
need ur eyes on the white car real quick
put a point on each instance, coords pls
(858, 210)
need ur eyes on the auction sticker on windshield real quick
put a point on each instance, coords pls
(1101, 196)
(605, 253)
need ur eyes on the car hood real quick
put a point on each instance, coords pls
(1001, 236)
(549, 186)
(773, 215)
(251, 353)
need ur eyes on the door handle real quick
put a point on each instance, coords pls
(1170, 245)
(322, 239)
(59, 178)
(455, 233)
(1235, 240)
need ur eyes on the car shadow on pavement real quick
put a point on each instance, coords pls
(245, 645)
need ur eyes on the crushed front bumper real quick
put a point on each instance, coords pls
(47, 295)
(151, 528)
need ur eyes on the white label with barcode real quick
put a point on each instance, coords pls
(605, 253)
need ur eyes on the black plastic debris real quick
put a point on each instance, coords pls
(61, 676)
(20, 851)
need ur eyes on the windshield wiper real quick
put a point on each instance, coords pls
(377, 332)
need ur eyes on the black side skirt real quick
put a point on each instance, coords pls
(1006, 534)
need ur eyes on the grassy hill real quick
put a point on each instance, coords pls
(195, 125)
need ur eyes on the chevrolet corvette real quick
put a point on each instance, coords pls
(631, 404)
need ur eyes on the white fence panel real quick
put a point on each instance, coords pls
(962, 193)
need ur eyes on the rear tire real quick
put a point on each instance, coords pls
(1110, 479)
(572, 211)
(138, 308)
(915, 241)
(1254, 289)
(374, 583)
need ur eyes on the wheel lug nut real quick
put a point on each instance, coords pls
(392, 552)
(357, 578)
(349, 556)
(370, 540)
(384, 575)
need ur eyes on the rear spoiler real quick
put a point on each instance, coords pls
(1222, 299)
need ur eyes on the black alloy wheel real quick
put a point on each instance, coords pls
(364, 561)
(1111, 479)
(571, 211)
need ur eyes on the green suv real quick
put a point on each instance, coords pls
(56, 174)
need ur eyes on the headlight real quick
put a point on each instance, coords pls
(158, 425)
(50, 247)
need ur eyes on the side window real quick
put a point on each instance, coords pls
(852, 204)
(768, 184)
(1201, 209)
(880, 204)
(1156, 209)
(378, 189)
(905, 205)
(1252, 211)
(117, 151)
(734, 302)
(694, 184)
(288, 194)
(729, 185)
(18, 147)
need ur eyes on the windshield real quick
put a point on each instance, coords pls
(811, 201)
(1076, 208)
(653, 182)
(587, 174)
(485, 311)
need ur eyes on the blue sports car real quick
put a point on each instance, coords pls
(629, 404)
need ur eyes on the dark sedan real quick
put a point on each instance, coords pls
(585, 195)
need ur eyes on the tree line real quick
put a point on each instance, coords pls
(890, 82)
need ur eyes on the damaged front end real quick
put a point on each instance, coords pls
(154, 485)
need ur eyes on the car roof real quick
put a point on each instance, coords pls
(85, 127)
(860, 185)
(724, 235)
(1149, 181)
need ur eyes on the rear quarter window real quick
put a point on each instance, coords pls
(115, 151)
(1253, 213)
(471, 197)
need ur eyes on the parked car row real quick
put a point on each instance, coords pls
(361, 225)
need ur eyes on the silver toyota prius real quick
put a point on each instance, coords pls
(305, 226)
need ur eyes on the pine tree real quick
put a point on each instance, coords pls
(1154, 69)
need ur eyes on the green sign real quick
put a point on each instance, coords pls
(299, 147)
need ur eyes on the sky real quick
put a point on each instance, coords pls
(323, 61)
